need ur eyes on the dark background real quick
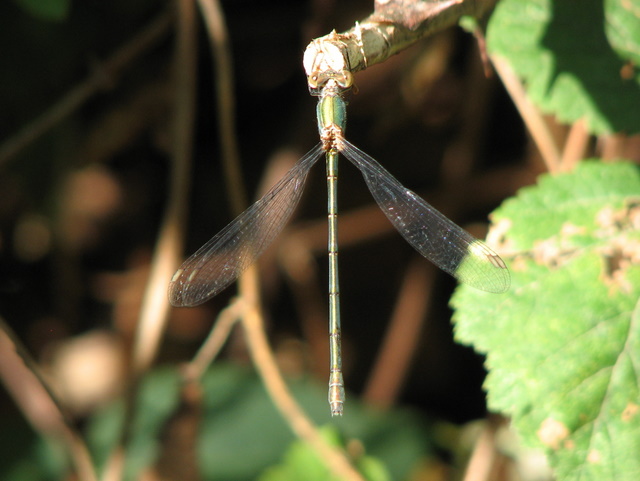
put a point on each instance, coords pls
(90, 193)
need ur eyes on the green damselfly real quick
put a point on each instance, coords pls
(222, 259)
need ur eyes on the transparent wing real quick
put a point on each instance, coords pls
(437, 238)
(223, 258)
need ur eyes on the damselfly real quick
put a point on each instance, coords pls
(220, 261)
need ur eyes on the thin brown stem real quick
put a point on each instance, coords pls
(155, 305)
(575, 147)
(401, 340)
(215, 341)
(530, 114)
(267, 367)
(21, 377)
(219, 39)
(485, 459)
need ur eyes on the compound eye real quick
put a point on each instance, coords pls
(345, 80)
(312, 80)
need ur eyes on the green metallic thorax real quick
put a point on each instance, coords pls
(331, 111)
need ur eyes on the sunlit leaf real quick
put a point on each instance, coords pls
(563, 346)
(574, 57)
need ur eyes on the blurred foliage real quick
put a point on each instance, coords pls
(55, 10)
(302, 462)
(238, 409)
(239, 433)
(578, 63)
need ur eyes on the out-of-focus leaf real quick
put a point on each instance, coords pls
(53, 10)
(563, 346)
(31, 458)
(572, 56)
(623, 28)
(158, 399)
(243, 433)
(301, 462)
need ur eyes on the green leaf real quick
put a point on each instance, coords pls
(40, 460)
(623, 28)
(572, 57)
(563, 346)
(242, 433)
(52, 10)
(301, 462)
(158, 398)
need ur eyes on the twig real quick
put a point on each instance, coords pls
(155, 305)
(575, 146)
(105, 74)
(485, 458)
(618, 145)
(401, 339)
(227, 318)
(267, 367)
(226, 102)
(530, 114)
(393, 27)
(33, 396)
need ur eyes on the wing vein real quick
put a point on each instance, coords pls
(433, 235)
(226, 255)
